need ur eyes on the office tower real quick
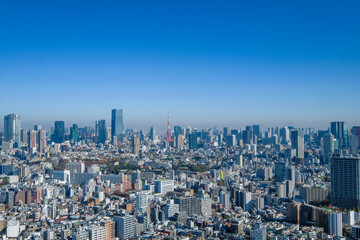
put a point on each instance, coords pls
(230, 140)
(245, 200)
(102, 131)
(41, 140)
(177, 130)
(12, 129)
(152, 134)
(345, 182)
(285, 136)
(135, 145)
(32, 140)
(125, 227)
(179, 142)
(355, 140)
(328, 149)
(256, 130)
(193, 144)
(297, 142)
(164, 186)
(335, 224)
(225, 131)
(340, 132)
(96, 131)
(239, 159)
(74, 133)
(24, 136)
(59, 132)
(117, 124)
(141, 204)
(225, 200)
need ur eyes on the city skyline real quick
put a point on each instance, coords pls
(163, 130)
(205, 63)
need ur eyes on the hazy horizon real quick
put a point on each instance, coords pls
(207, 63)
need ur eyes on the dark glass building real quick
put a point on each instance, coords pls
(59, 132)
(117, 124)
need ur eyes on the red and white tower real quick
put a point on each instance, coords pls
(168, 138)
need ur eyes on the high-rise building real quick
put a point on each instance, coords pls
(335, 224)
(97, 233)
(355, 140)
(340, 132)
(152, 134)
(285, 135)
(117, 124)
(32, 140)
(164, 186)
(328, 149)
(345, 182)
(59, 132)
(225, 131)
(177, 130)
(24, 136)
(125, 227)
(135, 145)
(12, 129)
(171, 209)
(179, 142)
(256, 130)
(225, 200)
(193, 142)
(141, 204)
(74, 133)
(102, 131)
(297, 142)
(41, 140)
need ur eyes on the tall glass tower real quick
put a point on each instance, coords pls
(59, 132)
(117, 124)
(12, 129)
(340, 132)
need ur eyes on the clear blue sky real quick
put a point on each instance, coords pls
(208, 63)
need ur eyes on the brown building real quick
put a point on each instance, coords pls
(293, 212)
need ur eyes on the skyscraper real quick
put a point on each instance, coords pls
(41, 140)
(297, 142)
(256, 129)
(74, 133)
(328, 149)
(355, 140)
(345, 182)
(117, 124)
(152, 134)
(335, 224)
(102, 131)
(125, 227)
(12, 129)
(59, 132)
(193, 143)
(135, 145)
(339, 130)
(141, 204)
(32, 143)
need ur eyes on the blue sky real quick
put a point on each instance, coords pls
(208, 63)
